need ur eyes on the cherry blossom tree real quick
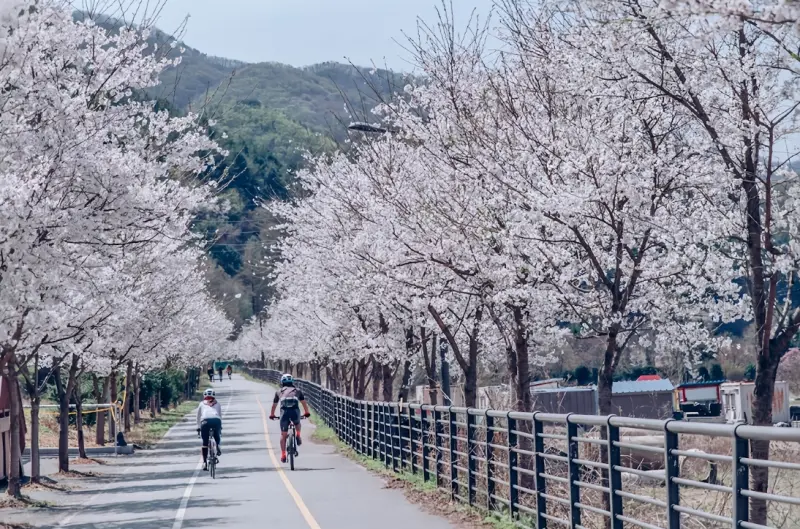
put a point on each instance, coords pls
(98, 192)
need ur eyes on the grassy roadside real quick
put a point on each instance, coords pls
(419, 491)
(152, 429)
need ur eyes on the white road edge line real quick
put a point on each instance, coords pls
(184, 502)
(188, 492)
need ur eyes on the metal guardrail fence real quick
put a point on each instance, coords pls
(577, 471)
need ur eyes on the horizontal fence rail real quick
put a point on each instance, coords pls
(576, 471)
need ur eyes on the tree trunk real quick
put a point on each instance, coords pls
(348, 382)
(79, 421)
(360, 376)
(429, 359)
(471, 371)
(64, 394)
(36, 463)
(387, 381)
(137, 413)
(604, 381)
(521, 375)
(63, 424)
(471, 386)
(764, 393)
(377, 375)
(405, 381)
(100, 424)
(14, 475)
(33, 389)
(112, 394)
(126, 404)
(104, 398)
(605, 378)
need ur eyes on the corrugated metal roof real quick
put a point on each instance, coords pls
(642, 386)
(562, 390)
(697, 384)
(548, 381)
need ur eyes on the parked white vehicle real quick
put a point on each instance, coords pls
(737, 402)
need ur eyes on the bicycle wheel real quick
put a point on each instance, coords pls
(212, 457)
(291, 448)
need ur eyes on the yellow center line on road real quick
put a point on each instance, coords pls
(312, 523)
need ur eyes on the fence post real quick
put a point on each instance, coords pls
(394, 436)
(342, 419)
(376, 432)
(538, 472)
(351, 421)
(411, 444)
(489, 422)
(424, 428)
(437, 442)
(453, 455)
(741, 479)
(672, 470)
(513, 476)
(363, 427)
(336, 415)
(351, 412)
(384, 437)
(470, 460)
(614, 475)
(399, 418)
(574, 474)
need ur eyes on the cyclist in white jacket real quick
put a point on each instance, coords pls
(209, 415)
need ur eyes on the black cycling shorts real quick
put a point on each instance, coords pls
(289, 415)
(205, 428)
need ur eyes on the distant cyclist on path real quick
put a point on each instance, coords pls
(289, 397)
(209, 415)
(229, 370)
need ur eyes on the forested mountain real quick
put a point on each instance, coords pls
(267, 116)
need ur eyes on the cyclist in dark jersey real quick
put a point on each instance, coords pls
(290, 398)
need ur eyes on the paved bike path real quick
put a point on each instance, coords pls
(166, 488)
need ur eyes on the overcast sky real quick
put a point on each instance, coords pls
(303, 32)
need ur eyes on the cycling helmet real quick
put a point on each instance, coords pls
(287, 379)
(209, 393)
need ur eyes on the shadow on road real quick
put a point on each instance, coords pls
(149, 524)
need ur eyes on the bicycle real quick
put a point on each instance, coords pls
(212, 454)
(230, 376)
(291, 445)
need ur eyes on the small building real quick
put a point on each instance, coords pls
(737, 402)
(643, 399)
(580, 399)
(643, 378)
(550, 383)
(5, 430)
